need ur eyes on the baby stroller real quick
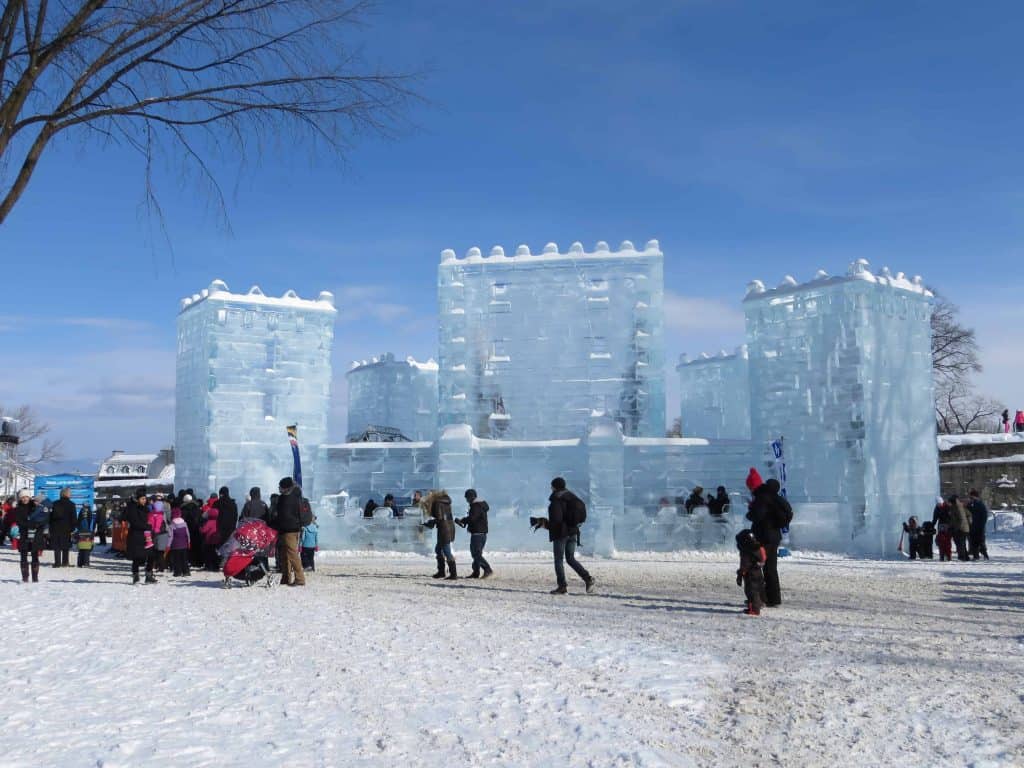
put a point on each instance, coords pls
(247, 552)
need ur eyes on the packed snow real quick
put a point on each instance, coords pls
(868, 662)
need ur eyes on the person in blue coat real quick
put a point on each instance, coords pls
(85, 533)
(309, 543)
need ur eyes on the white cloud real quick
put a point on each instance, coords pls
(358, 302)
(692, 314)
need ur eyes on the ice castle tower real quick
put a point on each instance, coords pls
(840, 367)
(395, 394)
(532, 345)
(248, 365)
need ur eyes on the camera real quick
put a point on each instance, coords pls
(538, 522)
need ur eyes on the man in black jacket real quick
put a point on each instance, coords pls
(101, 524)
(564, 535)
(139, 547)
(63, 519)
(476, 523)
(227, 515)
(768, 512)
(288, 523)
(979, 519)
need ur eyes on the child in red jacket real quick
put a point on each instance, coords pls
(750, 574)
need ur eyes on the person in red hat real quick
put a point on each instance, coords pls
(768, 513)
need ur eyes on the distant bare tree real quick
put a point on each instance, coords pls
(676, 430)
(210, 78)
(36, 447)
(954, 346)
(958, 409)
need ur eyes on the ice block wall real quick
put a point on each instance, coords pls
(841, 368)
(249, 365)
(531, 344)
(714, 394)
(400, 394)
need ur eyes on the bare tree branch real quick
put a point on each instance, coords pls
(191, 72)
(36, 447)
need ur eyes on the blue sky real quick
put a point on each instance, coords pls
(752, 139)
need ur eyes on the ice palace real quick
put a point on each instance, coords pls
(552, 364)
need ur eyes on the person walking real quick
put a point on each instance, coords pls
(476, 523)
(85, 532)
(288, 523)
(31, 522)
(1006, 420)
(979, 519)
(255, 507)
(768, 513)
(140, 547)
(63, 519)
(439, 509)
(960, 526)
(566, 512)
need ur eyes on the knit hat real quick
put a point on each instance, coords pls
(186, 498)
(286, 483)
(224, 491)
(754, 480)
(140, 493)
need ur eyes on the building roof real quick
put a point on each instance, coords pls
(858, 271)
(948, 442)
(218, 291)
(1015, 459)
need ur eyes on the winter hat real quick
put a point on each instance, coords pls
(940, 500)
(186, 498)
(224, 491)
(754, 480)
(470, 494)
(286, 483)
(140, 493)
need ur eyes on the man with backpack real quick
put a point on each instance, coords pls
(566, 513)
(290, 515)
(769, 512)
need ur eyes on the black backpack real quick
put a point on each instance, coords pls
(305, 513)
(575, 511)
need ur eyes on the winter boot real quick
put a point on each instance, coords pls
(559, 591)
(474, 575)
(24, 571)
(452, 576)
(487, 574)
(150, 578)
(440, 569)
(752, 610)
(590, 585)
(135, 578)
(35, 573)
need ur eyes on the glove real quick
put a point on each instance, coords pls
(739, 578)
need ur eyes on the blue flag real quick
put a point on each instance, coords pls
(293, 438)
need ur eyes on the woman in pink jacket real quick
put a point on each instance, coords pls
(210, 540)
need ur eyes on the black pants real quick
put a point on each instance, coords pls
(477, 542)
(308, 556)
(211, 557)
(26, 548)
(148, 560)
(83, 557)
(960, 540)
(772, 588)
(102, 531)
(977, 544)
(179, 562)
(565, 550)
(912, 549)
(61, 546)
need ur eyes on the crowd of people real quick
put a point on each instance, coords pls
(160, 532)
(957, 522)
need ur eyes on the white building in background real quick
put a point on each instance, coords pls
(714, 395)
(249, 365)
(841, 368)
(531, 345)
(394, 394)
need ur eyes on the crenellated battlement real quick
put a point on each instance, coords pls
(858, 270)
(387, 358)
(704, 358)
(218, 290)
(551, 252)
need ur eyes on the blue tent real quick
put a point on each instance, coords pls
(83, 488)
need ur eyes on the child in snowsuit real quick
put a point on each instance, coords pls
(309, 539)
(912, 531)
(180, 544)
(750, 574)
(86, 529)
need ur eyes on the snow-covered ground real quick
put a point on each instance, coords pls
(375, 664)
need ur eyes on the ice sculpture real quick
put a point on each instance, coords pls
(397, 394)
(714, 394)
(532, 344)
(841, 368)
(248, 365)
